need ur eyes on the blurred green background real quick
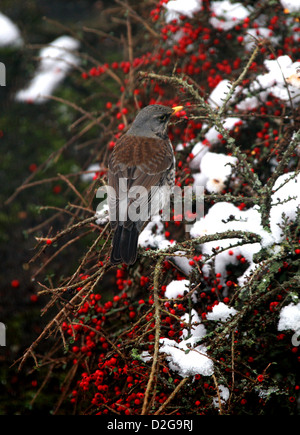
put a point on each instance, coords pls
(29, 133)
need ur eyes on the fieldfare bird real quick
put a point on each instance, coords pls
(141, 164)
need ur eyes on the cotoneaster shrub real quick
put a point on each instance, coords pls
(218, 323)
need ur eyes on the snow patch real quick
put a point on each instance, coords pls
(56, 61)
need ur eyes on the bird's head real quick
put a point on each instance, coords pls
(152, 121)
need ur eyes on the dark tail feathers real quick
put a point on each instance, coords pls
(124, 247)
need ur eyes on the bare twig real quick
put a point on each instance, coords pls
(157, 335)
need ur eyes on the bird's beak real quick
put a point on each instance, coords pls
(176, 109)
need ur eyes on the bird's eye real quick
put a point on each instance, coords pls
(163, 117)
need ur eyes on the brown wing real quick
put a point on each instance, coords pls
(142, 161)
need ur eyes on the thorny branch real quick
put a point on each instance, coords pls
(153, 372)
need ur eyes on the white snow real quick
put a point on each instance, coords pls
(186, 357)
(289, 318)
(198, 151)
(199, 180)
(273, 83)
(10, 35)
(222, 217)
(291, 189)
(221, 312)
(294, 80)
(153, 235)
(182, 263)
(253, 35)
(177, 288)
(291, 5)
(216, 169)
(188, 8)
(187, 362)
(227, 14)
(56, 60)
(218, 94)
(197, 330)
(102, 216)
(90, 172)
(224, 396)
(145, 356)
(229, 123)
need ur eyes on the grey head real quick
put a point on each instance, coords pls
(152, 121)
